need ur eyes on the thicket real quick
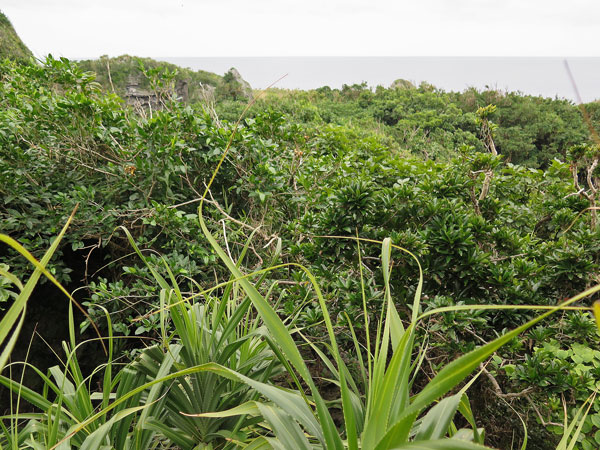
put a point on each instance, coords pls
(532, 131)
(491, 201)
(11, 46)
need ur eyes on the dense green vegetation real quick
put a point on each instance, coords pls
(11, 46)
(491, 201)
(532, 131)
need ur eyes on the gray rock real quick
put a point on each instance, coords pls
(245, 88)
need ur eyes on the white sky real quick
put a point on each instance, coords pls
(90, 28)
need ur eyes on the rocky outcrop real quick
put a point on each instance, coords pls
(245, 86)
(138, 97)
(234, 86)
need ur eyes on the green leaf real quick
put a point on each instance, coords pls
(436, 422)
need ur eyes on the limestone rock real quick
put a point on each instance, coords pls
(235, 85)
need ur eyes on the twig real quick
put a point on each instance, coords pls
(196, 200)
(216, 205)
(544, 423)
(109, 77)
(213, 202)
(270, 241)
(87, 258)
(100, 155)
(260, 260)
(94, 168)
(580, 191)
(498, 390)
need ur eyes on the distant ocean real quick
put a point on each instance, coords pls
(535, 76)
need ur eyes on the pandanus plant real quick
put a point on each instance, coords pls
(142, 404)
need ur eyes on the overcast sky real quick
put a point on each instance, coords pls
(90, 28)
